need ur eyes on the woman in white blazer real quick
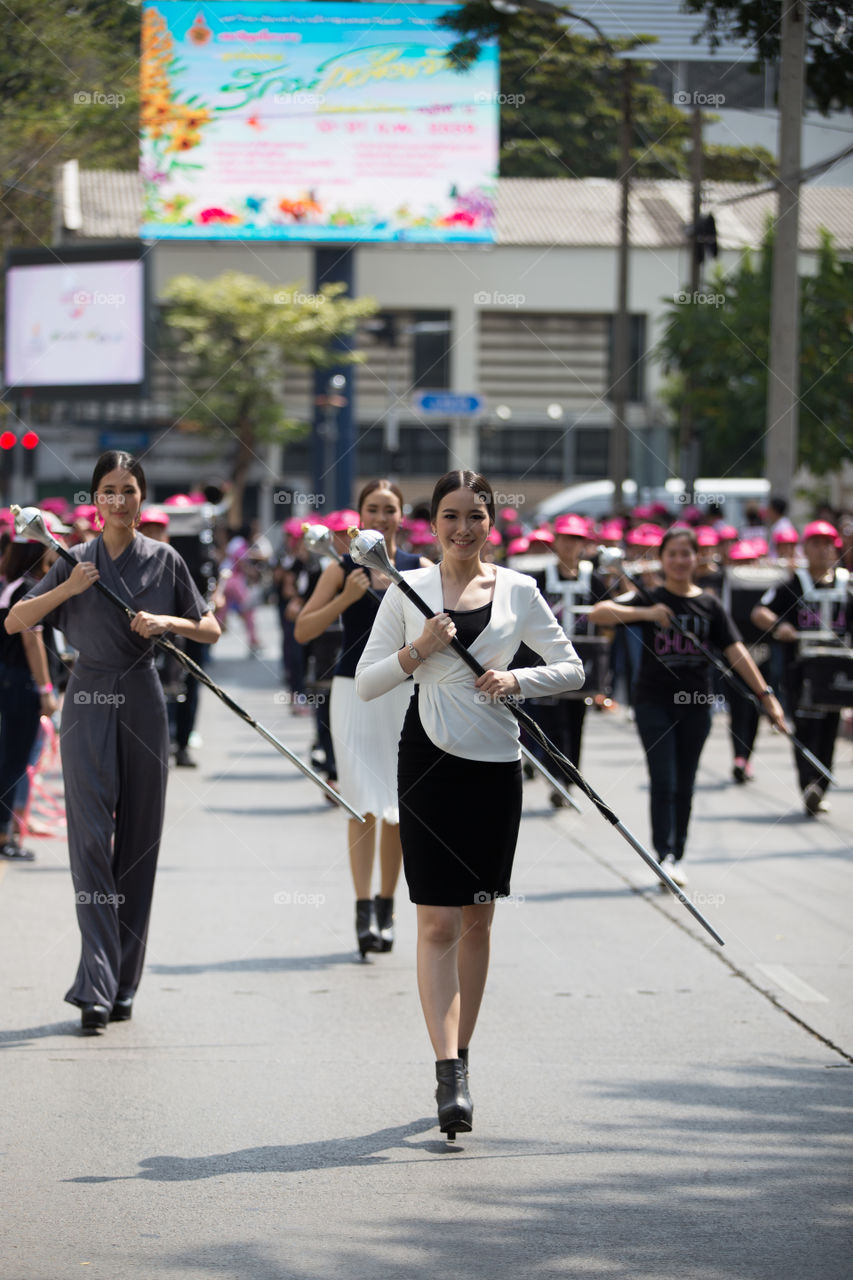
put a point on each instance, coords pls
(459, 771)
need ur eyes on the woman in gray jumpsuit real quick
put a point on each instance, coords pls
(114, 739)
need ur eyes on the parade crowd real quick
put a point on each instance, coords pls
(663, 616)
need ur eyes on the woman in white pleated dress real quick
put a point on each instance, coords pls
(365, 735)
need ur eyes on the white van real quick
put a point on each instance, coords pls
(596, 497)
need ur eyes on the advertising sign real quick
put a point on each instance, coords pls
(314, 122)
(75, 320)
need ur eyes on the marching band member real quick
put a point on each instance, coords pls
(816, 598)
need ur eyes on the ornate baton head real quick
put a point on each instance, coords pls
(367, 548)
(317, 537)
(30, 521)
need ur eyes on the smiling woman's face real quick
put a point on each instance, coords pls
(461, 524)
(118, 499)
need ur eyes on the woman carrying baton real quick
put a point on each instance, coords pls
(114, 738)
(673, 691)
(364, 741)
(459, 771)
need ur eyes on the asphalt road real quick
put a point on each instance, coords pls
(648, 1105)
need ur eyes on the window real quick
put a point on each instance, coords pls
(431, 332)
(636, 357)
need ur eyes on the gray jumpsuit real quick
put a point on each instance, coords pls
(115, 753)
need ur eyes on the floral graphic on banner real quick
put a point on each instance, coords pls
(347, 121)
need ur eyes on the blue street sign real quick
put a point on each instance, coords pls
(450, 404)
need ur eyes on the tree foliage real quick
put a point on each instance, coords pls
(229, 339)
(829, 35)
(717, 351)
(68, 90)
(561, 104)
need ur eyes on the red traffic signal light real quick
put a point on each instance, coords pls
(29, 439)
(8, 440)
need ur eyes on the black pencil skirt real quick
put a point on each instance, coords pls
(459, 821)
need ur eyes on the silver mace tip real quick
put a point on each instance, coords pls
(30, 521)
(367, 547)
(316, 536)
(610, 556)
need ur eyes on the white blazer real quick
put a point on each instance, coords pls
(455, 715)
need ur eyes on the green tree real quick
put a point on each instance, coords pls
(228, 340)
(68, 90)
(720, 347)
(560, 114)
(829, 36)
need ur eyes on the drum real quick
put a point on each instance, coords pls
(825, 675)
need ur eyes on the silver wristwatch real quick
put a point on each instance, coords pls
(413, 653)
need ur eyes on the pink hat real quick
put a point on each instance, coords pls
(423, 537)
(179, 500)
(340, 521)
(154, 517)
(786, 535)
(572, 526)
(727, 533)
(518, 547)
(57, 505)
(610, 531)
(642, 513)
(820, 529)
(745, 550)
(760, 545)
(494, 537)
(706, 536)
(645, 535)
(293, 527)
(84, 513)
(543, 536)
(508, 513)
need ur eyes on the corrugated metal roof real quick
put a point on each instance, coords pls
(557, 211)
(675, 31)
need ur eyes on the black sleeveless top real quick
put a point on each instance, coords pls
(470, 622)
(358, 618)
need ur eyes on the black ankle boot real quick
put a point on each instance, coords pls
(385, 922)
(93, 1019)
(365, 926)
(463, 1054)
(455, 1108)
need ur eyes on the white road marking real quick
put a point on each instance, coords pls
(792, 984)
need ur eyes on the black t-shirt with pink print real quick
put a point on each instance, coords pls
(673, 669)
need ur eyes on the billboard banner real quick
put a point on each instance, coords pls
(76, 321)
(314, 122)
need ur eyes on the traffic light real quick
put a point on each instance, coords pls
(8, 440)
(29, 439)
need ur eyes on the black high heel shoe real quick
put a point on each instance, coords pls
(366, 932)
(455, 1108)
(93, 1019)
(385, 922)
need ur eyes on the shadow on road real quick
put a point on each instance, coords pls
(332, 1153)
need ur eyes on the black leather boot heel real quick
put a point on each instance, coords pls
(455, 1108)
(366, 932)
(385, 922)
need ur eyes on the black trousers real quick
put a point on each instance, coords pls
(816, 730)
(673, 736)
(743, 724)
(561, 721)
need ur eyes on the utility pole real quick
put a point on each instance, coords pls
(688, 450)
(618, 458)
(783, 383)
